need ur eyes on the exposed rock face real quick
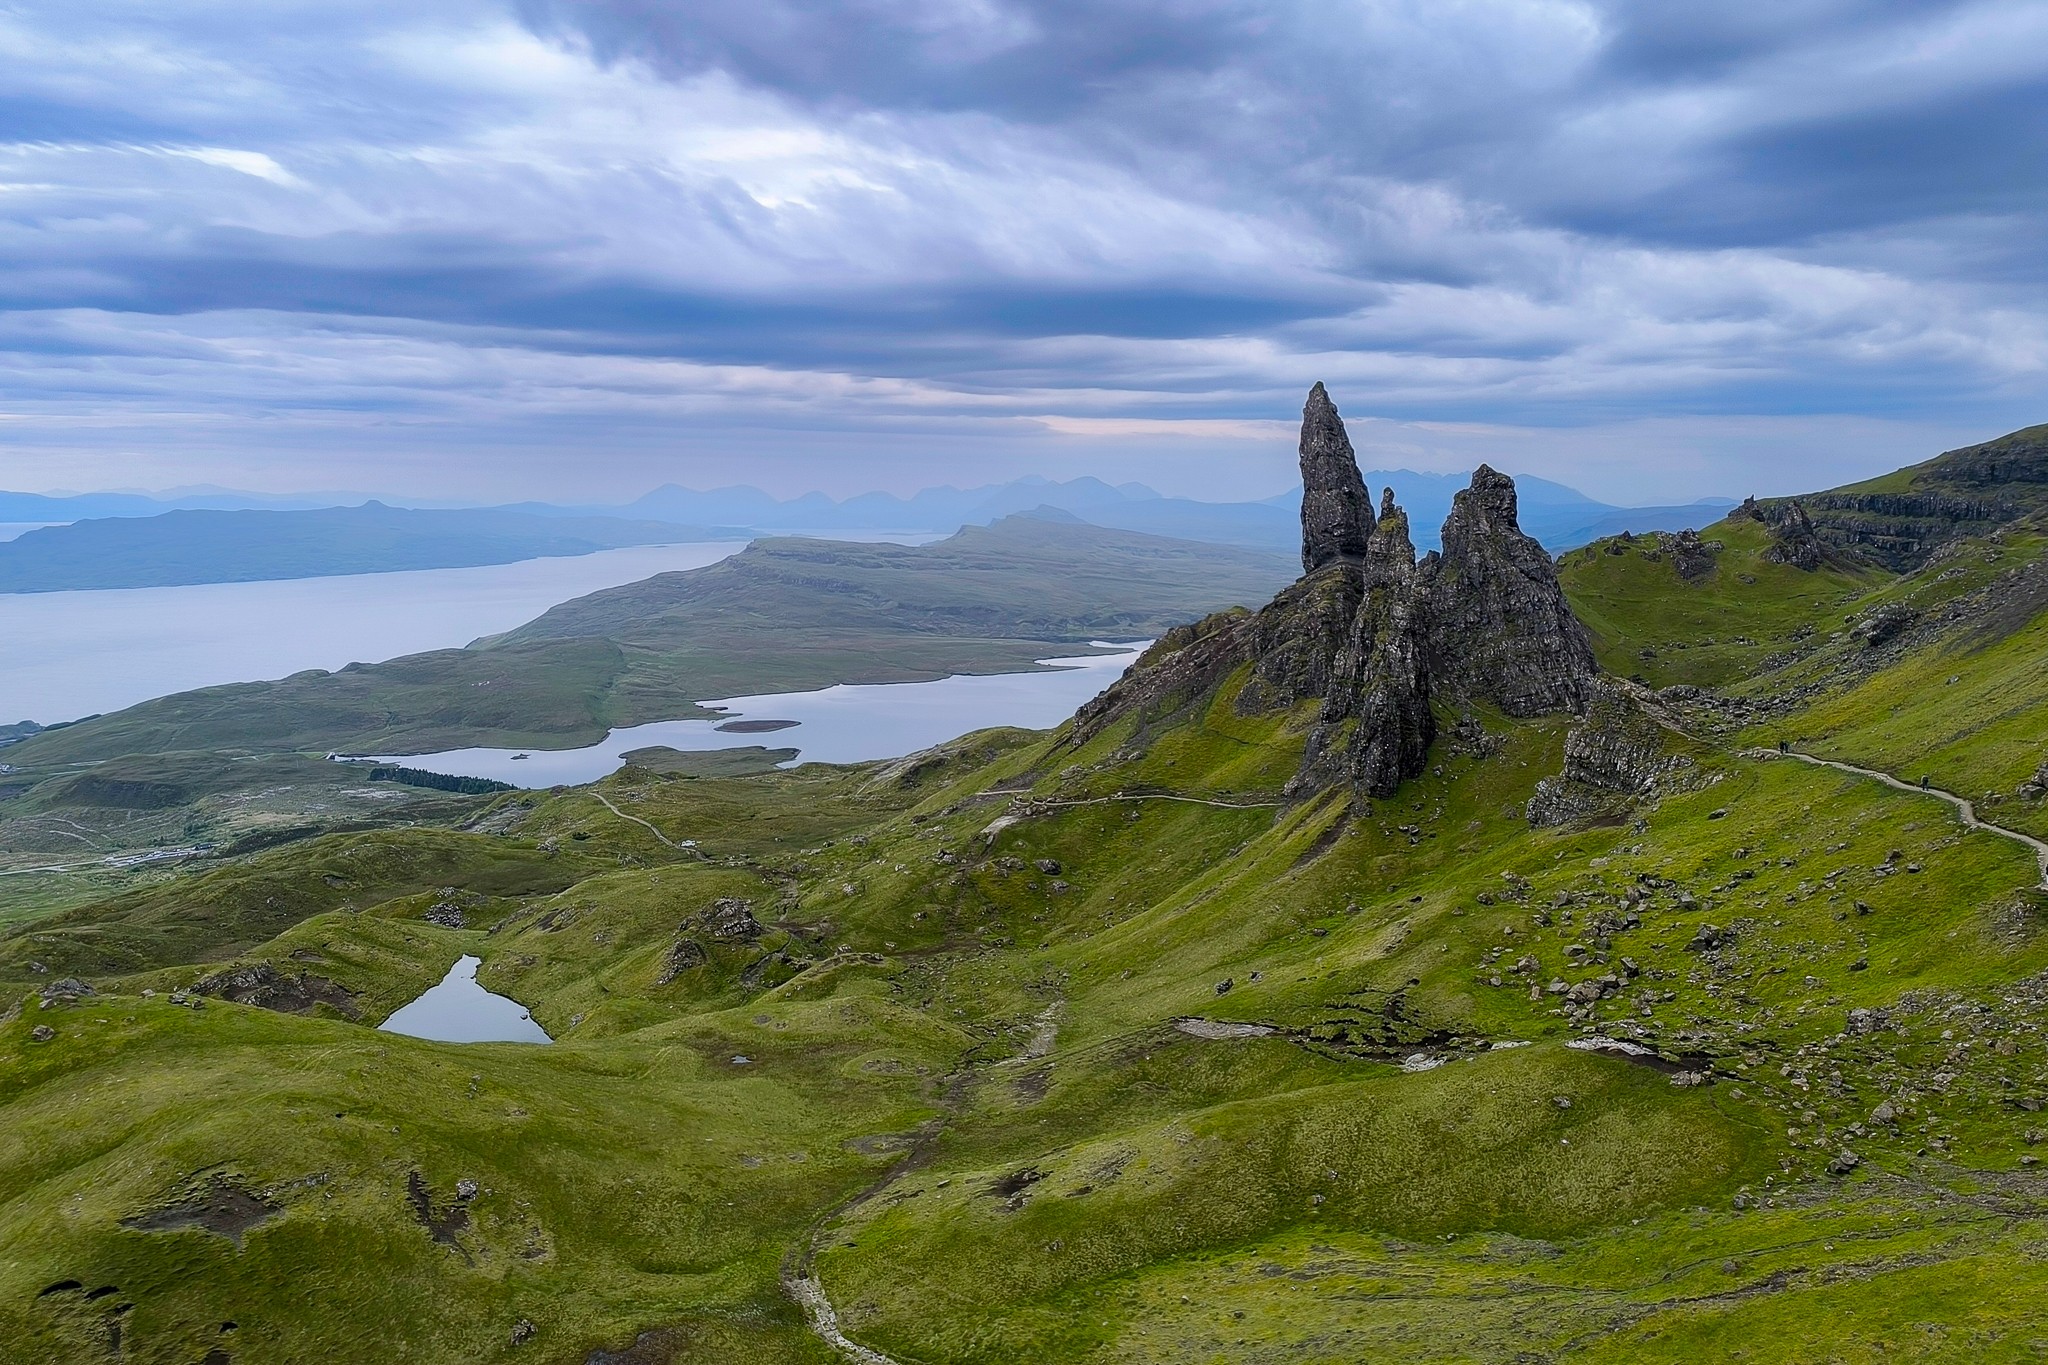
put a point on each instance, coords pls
(728, 920)
(1961, 493)
(1380, 640)
(1617, 753)
(1792, 538)
(1500, 628)
(1692, 557)
(1336, 517)
(265, 987)
(1380, 712)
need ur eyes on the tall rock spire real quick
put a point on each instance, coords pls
(1336, 515)
(1395, 723)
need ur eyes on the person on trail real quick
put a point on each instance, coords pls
(1784, 746)
(1923, 783)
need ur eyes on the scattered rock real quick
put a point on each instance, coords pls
(729, 920)
(444, 913)
(42, 1033)
(1883, 624)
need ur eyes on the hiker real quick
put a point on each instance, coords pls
(1923, 783)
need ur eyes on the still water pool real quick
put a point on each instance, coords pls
(460, 1011)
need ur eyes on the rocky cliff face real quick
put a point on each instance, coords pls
(1381, 640)
(1910, 516)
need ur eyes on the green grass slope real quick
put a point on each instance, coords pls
(966, 1099)
(1040, 1051)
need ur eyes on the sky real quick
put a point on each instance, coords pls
(573, 249)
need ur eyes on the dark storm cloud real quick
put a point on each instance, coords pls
(971, 213)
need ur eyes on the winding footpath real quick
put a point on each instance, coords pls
(1963, 805)
(642, 823)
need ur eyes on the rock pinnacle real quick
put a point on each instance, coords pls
(1336, 513)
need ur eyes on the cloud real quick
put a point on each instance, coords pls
(894, 235)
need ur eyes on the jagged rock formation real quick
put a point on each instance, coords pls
(1793, 540)
(1380, 640)
(1692, 557)
(1396, 725)
(1336, 513)
(1499, 624)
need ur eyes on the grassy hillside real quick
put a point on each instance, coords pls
(1041, 1049)
(965, 1093)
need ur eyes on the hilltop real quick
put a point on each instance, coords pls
(1459, 957)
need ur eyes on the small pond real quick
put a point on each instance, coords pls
(460, 1011)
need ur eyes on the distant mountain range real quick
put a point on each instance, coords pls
(1559, 516)
(125, 540)
(183, 547)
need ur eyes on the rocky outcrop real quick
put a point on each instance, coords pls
(1793, 539)
(1617, 754)
(1904, 523)
(1500, 629)
(1380, 640)
(265, 987)
(1691, 557)
(1336, 515)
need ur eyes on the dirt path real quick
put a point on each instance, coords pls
(818, 1311)
(642, 823)
(1963, 805)
(1163, 796)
